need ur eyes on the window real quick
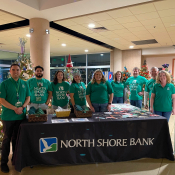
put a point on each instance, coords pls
(78, 60)
(58, 61)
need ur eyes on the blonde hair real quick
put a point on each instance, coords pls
(115, 78)
(103, 77)
(168, 77)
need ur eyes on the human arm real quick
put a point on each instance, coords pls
(173, 98)
(152, 102)
(146, 94)
(89, 102)
(110, 101)
(72, 99)
(49, 97)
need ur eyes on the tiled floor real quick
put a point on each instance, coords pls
(136, 167)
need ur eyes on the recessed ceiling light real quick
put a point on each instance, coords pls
(131, 47)
(63, 44)
(28, 35)
(172, 25)
(86, 50)
(101, 54)
(91, 25)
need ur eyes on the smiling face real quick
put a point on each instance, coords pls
(118, 76)
(162, 77)
(98, 76)
(60, 76)
(15, 72)
(39, 73)
(135, 72)
(77, 78)
(154, 73)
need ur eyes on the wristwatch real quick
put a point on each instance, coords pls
(109, 103)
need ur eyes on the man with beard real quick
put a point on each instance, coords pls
(39, 90)
(136, 85)
(149, 86)
(14, 97)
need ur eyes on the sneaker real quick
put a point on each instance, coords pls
(4, 168)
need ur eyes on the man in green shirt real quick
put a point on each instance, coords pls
(39, 86)
(135, 84)
(149, 86)
(14, 97)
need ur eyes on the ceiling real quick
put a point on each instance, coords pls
(124, 20)
(154, 20)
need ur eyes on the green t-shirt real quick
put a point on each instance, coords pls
(149, 87)
(136, 86)
(79, 90)
(118, 88)
(163, 97)
(8, 91)
(38, 90)
(99, 93)
(59, 92)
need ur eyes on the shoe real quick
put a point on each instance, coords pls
(4, 168)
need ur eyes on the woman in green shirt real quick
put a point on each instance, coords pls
(77, 91)
(59, 89)
(119, 88)
(163, 96)
(99, 93)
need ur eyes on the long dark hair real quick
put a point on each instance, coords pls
(55, 80)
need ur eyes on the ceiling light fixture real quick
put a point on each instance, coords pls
(101, 54)
(28, 35)
(63, 44)
(131, 47)
(91, 25)
(86, 50)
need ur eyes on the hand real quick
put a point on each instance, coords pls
(109, 107)
(146, 106)
(141, 93)
(151, 110)
(92, 108)
(129, 92)
(19, 110)
(126, 102)
(46, 103)
(173, 112)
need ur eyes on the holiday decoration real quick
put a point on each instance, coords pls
(68, 72)
(144, 71)
(24, 62)
(125, 74)
(165, 67)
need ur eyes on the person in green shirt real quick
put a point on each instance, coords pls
(14, 97)
(99, 93)
(149, 86)
(118, 86)
(59, 89)
(40, 96)
(77, 91)
(163, 96)
(135, 84)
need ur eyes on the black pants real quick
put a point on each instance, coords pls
(10, 129)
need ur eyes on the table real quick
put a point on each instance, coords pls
(128, 133)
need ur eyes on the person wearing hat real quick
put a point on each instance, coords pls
(14, 97)
(99, 93)
(77, 91)
(40, 95)
(59, 89)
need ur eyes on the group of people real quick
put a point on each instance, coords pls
(16, 95)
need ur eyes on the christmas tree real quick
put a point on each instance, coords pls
(125, 74)
(24, 62)
(165, 67)
(144, 71)
(68, 72)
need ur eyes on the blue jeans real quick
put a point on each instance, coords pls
(137, 103)
(117, 100)
(100, 107)
(164, 114)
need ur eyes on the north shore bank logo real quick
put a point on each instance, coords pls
(49, 144)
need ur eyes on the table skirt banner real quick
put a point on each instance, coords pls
(93, 140)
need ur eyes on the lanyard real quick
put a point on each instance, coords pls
(17, 88)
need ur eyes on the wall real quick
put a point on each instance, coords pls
(131, 59)
(158, 60)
